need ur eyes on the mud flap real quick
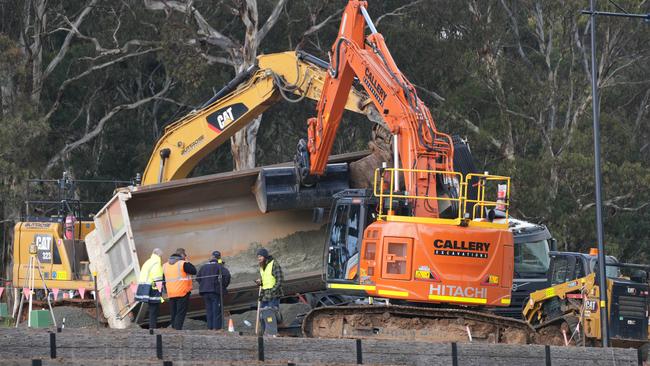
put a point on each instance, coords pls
(278, 188)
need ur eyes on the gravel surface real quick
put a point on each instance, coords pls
(193, 324)
(74, 317)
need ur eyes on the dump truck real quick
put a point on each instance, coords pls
(203, 214)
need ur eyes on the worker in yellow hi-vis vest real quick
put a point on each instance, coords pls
(150, 285)
(271, 280)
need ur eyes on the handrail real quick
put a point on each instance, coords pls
(384, 188)
(481, 202)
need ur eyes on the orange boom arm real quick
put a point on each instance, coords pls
(419, 144)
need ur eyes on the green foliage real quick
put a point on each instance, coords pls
(512, 75)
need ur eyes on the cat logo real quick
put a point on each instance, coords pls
(224, 117)
(591, 305)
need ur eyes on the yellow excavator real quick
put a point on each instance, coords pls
(58, 240)
(49, 241)
(567, 313)
(57, 244)
(288, 75)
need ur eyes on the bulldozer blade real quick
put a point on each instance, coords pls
(278, 188)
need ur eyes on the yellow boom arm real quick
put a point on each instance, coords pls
(188, 140)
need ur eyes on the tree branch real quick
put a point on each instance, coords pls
(477, 130)
(100, 126)
(613, 204)
(68, 39)
(270, 22)
(524, 116)
(213, 36)
(643, 108)
(217, 60)
(431, 93)
(316, 27)
(67, 82)
(107, 51)
(515, 28)
(398, 11)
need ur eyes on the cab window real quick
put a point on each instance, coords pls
(560, 270)
(344, 241)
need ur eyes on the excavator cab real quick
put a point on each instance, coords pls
(352, 211)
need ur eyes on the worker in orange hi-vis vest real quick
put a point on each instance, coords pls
(178, 283)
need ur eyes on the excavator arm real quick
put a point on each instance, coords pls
(288, 75)
(416, 140)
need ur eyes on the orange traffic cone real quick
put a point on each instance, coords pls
(231, 326)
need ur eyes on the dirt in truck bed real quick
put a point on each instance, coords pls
(300, 252)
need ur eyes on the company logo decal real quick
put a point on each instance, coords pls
(193, 145)
(373, 85)
(223, 117)
(457, 291)
(461, 248)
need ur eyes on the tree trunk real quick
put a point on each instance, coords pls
(7, 94)
(244, 143)
(40, 23)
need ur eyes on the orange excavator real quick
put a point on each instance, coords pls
(420, 244)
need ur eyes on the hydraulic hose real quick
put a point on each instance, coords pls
(302, 55)
(232, 84)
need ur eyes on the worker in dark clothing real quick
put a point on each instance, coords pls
(209, 277)
(178, 283)
(271, 280)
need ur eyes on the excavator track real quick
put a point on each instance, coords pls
(415, 323)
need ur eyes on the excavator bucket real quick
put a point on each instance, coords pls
(278, 188)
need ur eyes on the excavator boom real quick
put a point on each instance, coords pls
(417, 142)
(289, 75)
